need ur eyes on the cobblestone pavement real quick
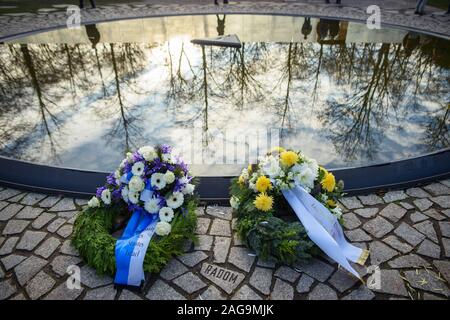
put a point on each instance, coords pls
(392, 13)
(407, 232)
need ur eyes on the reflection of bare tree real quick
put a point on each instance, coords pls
(437, 133)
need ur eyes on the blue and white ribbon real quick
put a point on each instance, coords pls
(131, 248)
(324, 229)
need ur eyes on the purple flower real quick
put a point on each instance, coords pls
(110, 179)
(117, 194)
(165, 148)
(137, 157)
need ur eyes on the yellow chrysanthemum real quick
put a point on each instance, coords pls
(288, 158)
(249, 168)
(263, 202)
(328, 182)
(277, 149)
(262, 184)
(324, 170)
(241, 180)
(331, 203)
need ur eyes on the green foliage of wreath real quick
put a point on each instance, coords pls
(92, 237)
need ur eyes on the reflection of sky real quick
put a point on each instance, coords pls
(90, 133)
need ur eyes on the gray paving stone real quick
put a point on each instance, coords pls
(103, 293)
(434, 214)
(32, 198)
(391, 283)
(317, 269)
(378, 227)
(246, 293)
(202, 225)
(351, 221)
(2, 239)
(237, 240)
(362, 293)
(221, 248)
(287, 274)
(444, 268)
(445, 182)
(204, 243)
(427, 281)
(411, 235)
(65, 231)
(265, 264)
(342, 280)
(304, 284)
(68, 215)
(12, 260)
(429, 249)
(91, 279)
(10, 211)
(67, 248)
(367, 212)
(220, 212)
(445, 228)
(189, 282)
(429, 296)
(61, 263)
(282, 291)
(437, 189)
(39, 285)
(351, 203)
(212, 293)
(29, 213)
(162, 291)
(409, 261)
(2, 274)
(370, 200)
(241, 258)
(8, 193)
(322, 292)
(417, 193)
(261, 279)
(47, 248)
(226, 279)
(393, 212)
(42, 220)
(20, 296)
(193, 258)
(15, 226)
(3, 204)
(220, 227)
(395, 243)
(200, 211)
(446, 245)
(406, 205)
(442, 201)
(172, 270)
(423, 204)
(8, 246)
(426, 227)
(128, 295)
(30, 240)
(81, 203)
(357, 235)
(7, 289)
(446, 212)
(379, 253)
(49, 201)
(55, 225)
(396, 195)
(28, 268)
(66, 204)
(62, 292)
(417, 217)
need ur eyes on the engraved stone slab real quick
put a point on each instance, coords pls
(226, 279)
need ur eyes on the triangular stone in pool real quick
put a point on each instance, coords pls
(230, 40)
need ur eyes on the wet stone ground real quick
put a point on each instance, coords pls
(407, 232)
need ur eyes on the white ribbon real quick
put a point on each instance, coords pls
(324, 229)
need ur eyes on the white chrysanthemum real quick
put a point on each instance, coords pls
(163, 228)
(152, 205)
(183, 180)
(313, 165)
(138, 168)
(166, 214)
(149, 153)
(129, 157)
(117, 174)
(234, 202)
(106, 196)
(304, 175)
(337, 212)
(188, 189)
(244, 174)
(157, 180)
(175, 200)
(93, 203)
(124, 193)
(133, 197)
(252, 186)
(169, 177)
(122, 164)
(271, 166)
(166, 157)
(136, 184)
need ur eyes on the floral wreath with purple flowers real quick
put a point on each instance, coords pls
(151, 180)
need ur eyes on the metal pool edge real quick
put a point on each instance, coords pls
(358, 180)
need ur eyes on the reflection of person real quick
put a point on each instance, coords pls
(91, 1)
(333, 26)
(93, 34)
(220, 25)
(307, 27)
(217, 2)
(410, 42)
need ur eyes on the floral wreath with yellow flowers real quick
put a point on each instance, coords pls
(265, 221)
